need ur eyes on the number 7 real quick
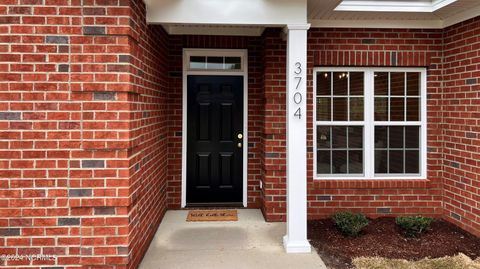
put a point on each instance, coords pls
(298, 83)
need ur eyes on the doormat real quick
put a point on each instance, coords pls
(212, 215)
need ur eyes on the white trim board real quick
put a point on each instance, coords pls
(243, 53)
(185, 29)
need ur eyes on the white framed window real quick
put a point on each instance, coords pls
(370, 123)
(214, 60)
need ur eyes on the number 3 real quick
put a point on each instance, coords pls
(298, 69)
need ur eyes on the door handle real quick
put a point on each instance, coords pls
(239, 145)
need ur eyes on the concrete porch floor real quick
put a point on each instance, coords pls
(249, 243)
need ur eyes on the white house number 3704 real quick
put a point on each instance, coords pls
(297, 96)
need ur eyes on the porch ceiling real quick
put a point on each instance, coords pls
(409, 14)
(249, 18)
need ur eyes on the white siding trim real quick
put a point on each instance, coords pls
(375, 24)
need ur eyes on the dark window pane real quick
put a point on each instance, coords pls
(381, 137)
(395, 159)
(232, 63)
(397, 109)
(381, 109)
(324, 109)
(356, 83)
(215, 63)
(412, 137)
(355, 137)
(413, 84)
(413, 109)
(339, 137)
(323, 161)
(355, 161)
(340, 109)
(356, 109)
(340, 83)
(397, 83)
(412, 161)
(381, 83)
(323, 137)
(381, 161)
(324, 83)
(396, 137)
(198, 62)
(339, 159)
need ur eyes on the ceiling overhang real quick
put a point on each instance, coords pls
(413, 14)
(251, 17)
(393, 6)
(227, 12)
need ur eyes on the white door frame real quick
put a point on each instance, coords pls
(243, 53)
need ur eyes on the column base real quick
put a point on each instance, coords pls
(302, 246)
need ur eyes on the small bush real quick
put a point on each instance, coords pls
(414, 225)
(349, 223)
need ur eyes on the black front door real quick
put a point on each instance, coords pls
(214, 140)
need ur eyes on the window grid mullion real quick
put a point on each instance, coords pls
(388, 151)
(405, 97)
(330, 132)
(348, 103)
(340, 123)
(404, 149)
(389, 100)
(331, 98)
(369, 113)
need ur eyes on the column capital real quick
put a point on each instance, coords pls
(303, 26)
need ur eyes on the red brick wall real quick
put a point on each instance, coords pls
(150, 126)
(274, 191)
(461, 113)
(353, 47)
(381, 48)
(83, 136)
(90, 127)
(255, 109)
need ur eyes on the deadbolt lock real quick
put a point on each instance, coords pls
(240, 136)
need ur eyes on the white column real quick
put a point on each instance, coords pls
(295, 241)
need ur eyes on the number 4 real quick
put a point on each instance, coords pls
(298, 113)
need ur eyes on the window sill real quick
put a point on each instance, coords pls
(376, 183)
(374, 178)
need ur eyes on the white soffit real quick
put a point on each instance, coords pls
(393, 6)
(391, 13)
(227, 12)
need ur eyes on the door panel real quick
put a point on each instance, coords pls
(214, 150)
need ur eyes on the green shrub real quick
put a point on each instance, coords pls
(414, 225)
(349, 223)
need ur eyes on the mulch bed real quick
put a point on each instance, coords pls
(382, 237)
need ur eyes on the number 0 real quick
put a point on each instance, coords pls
(297, 98)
